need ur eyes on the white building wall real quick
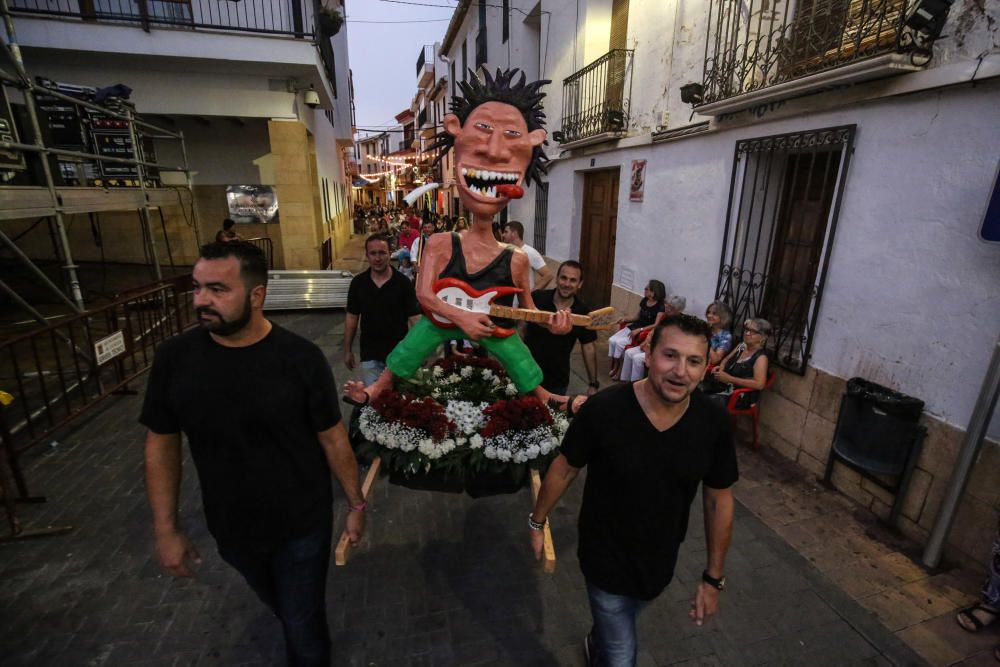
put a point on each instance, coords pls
(911, 298)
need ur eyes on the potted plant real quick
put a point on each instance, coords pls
(328, 21)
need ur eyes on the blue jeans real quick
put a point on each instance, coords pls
(370, 370)
(290, 578)
(614, 627)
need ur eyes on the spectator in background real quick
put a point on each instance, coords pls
(382, 300)
(461, 225)
(719, 317)
(985, 612)
(426, 229)
(226, 234)
(649, 308)
(406, 265)
(744, 367)
(634, 359)
(513, 233)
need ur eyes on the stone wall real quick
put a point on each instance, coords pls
(798, 417)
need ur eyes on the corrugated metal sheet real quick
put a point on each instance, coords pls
(305, 289)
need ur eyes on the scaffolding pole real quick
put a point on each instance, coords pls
(14, 53)
(144, 211)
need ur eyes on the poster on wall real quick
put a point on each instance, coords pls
(252, 203)
(638, 180)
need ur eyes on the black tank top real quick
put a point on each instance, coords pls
(495, 274)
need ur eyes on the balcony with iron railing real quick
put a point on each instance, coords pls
(481, 48)
(282, 17)
(425, 67)
(596, 99)
(763, 50)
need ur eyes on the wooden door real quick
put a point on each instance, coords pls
(597, 236)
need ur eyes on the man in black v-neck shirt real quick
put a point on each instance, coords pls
(383, 300)
(647, 447)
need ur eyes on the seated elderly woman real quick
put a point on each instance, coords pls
(650, 308)
(634, 359)
(744, 367)
(719, 317)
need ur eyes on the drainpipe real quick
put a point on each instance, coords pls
(972, 443)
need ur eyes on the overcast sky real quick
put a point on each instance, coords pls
(384, 55)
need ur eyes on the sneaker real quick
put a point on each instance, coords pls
(589, 650)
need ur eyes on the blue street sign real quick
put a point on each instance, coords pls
(990, 230)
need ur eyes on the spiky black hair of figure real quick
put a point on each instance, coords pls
(523, 96)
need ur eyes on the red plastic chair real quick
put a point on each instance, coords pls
(753, 410)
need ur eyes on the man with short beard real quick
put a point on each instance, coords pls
(647, 447)
(258, 405)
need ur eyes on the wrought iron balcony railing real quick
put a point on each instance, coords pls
(759, 43)
(420, 61)
(481, 55)
(596, 99)
(286, 17)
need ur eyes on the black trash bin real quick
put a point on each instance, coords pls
(878, 435)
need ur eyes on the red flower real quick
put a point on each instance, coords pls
(424, 413)
(521, 414)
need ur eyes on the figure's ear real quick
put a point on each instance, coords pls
(452, 125)
(537, 137)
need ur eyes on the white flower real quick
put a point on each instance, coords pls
(490, 452)
(487, 373)
(511, 389)
(438, 371)
(452, 379)
(466, 371)
(476, 441)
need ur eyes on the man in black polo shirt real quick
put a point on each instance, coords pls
(383, 299)
(647, 447)
(551, 352)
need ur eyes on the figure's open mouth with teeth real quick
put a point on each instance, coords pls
(484, 182)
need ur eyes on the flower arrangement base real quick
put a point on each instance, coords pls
(432, 480)
(488, 483)
(460, 426)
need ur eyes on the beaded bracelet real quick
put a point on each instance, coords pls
(534, 525)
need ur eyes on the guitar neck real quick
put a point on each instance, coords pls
(529, 315)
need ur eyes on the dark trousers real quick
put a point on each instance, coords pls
(290, 578)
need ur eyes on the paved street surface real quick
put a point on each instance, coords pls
(441, 579)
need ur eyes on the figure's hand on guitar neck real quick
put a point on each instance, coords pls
(560, 322)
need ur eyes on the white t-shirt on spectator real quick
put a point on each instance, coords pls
(536, 262)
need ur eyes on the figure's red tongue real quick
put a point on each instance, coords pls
(510, 191)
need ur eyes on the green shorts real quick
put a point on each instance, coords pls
(424, 337)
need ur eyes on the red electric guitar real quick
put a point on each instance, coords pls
(460, 294)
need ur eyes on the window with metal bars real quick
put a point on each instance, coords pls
(541, 216)
(784, 200)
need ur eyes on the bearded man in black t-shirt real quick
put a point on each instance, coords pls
(259, 407)
(647, 447)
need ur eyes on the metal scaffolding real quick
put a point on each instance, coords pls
(54, 201)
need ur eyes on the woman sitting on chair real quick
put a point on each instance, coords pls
(719, 316)
(744, 367)
(649, 308)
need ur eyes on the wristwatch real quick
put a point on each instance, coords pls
(719, 583)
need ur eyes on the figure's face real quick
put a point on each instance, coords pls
(677, 364)
(492, 148)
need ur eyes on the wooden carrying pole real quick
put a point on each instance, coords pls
(343, 550)
(549, 550)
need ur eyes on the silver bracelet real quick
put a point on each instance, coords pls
(534, 525)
